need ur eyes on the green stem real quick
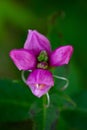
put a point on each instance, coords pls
(44, 112)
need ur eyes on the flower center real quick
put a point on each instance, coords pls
(43, 56)
(42, 60)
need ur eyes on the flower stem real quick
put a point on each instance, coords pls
(44, 112)
(48, 100)
(45, 106)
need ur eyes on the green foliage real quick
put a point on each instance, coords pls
(77, 118)
(15, 101)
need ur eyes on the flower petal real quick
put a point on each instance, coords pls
(37, 42)
(40, 81)
(61, 55)
(23, 59)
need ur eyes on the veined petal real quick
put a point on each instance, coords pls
(23, 59)
(37, 42)
(61, 55)
(40, 81)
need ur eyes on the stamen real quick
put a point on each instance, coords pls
(48, 100)
(65, 79)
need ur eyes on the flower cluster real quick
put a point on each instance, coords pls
(37, 56)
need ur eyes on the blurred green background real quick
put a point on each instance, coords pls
(63, 22)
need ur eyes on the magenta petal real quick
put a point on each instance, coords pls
(61, 55)
(37, 42)
(40, 81)
(23, 59)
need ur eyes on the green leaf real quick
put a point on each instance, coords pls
(15, 101)
(80, 99)
(76, 118)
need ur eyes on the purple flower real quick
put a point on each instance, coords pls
(38, 57)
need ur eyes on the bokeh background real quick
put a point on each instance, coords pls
(63, 22)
